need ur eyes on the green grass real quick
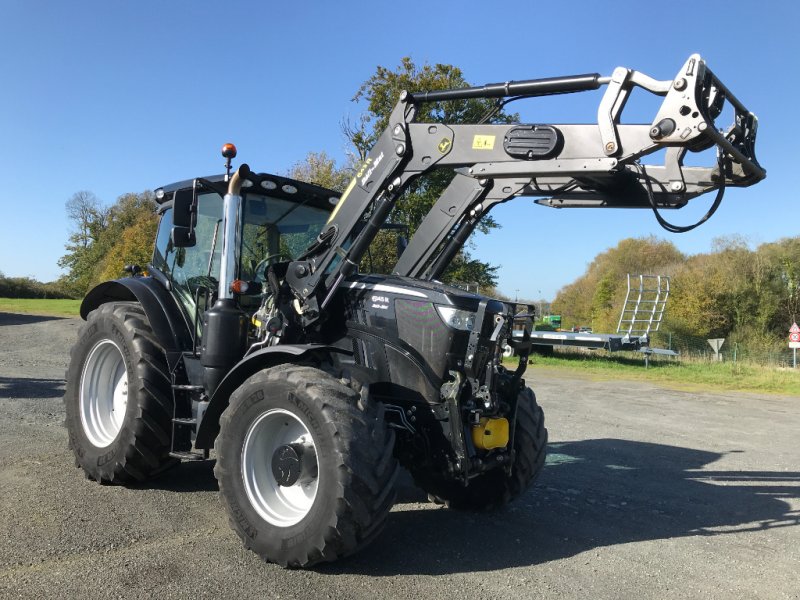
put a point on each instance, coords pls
(54, 308)
(687, 375)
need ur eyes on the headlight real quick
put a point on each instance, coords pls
(457, 319)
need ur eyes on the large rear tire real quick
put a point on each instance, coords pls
(496, 488)
(118, 396)
(305, 466)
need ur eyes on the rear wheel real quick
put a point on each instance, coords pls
(117, 397)
(496, 488)
(305, 466)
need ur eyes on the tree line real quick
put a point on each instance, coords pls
(27, 287)
(750, 297)
(104, 239)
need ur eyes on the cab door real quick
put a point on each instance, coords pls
(193, 271)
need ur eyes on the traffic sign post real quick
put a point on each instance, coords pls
(794, 342)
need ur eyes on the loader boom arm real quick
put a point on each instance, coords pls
(595, 165)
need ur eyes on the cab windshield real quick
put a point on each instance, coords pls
(275, 229)
(272, 229)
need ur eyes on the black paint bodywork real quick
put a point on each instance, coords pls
(399, 343)
(384, 332)
(390, 337)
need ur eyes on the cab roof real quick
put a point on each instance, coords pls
(264, 183)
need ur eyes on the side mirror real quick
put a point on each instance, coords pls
(184, 217)
(182, 237)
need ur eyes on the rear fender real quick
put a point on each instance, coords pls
(166, 318)
(265, 358)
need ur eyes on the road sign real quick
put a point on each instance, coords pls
(794, 344)
(794, 337)
(794, 328)
(716, 344)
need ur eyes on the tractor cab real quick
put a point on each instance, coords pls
(278, 219)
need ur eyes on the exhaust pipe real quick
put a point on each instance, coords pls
(224, 324)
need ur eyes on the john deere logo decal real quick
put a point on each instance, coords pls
(444, 145)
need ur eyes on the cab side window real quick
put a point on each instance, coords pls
(198, 266)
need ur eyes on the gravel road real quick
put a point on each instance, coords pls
(647, 493)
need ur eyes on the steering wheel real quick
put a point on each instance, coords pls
(260, 272)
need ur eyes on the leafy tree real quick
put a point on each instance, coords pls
(695, 305)
(466, 269)
(779, 266)
(134, 246)
(724, 292)
(381, 92)
(88, 218)
(107, 238)
(749, 297)
(321, 169)
(27, 287)
(603, 303)
(597, 296)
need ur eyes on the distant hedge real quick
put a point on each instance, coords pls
(25, 287)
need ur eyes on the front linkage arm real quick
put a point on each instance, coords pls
(572, 165)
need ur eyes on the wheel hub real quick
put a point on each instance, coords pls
(279, 467)
(294, 462)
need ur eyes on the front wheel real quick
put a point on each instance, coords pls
(305, 466)
(495, 488)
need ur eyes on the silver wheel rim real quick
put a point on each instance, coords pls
(278, 505)
(103, 393)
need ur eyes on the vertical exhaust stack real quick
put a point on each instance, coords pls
(224, 324)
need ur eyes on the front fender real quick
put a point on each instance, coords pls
(265, 358)
(166, 318)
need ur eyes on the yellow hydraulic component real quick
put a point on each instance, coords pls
(490, 433)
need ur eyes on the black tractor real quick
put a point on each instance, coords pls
(254, 334)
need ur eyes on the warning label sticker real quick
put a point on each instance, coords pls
(483, 142)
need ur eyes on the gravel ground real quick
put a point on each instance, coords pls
(647, 493)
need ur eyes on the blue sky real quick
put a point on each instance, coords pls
(117, 97)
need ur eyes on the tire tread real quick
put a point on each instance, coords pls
(495, 488)
(150, 441)
(367, 471)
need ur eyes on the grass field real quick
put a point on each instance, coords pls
(55, 308)
(688, 375)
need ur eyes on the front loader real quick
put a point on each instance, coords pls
(254, 334)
